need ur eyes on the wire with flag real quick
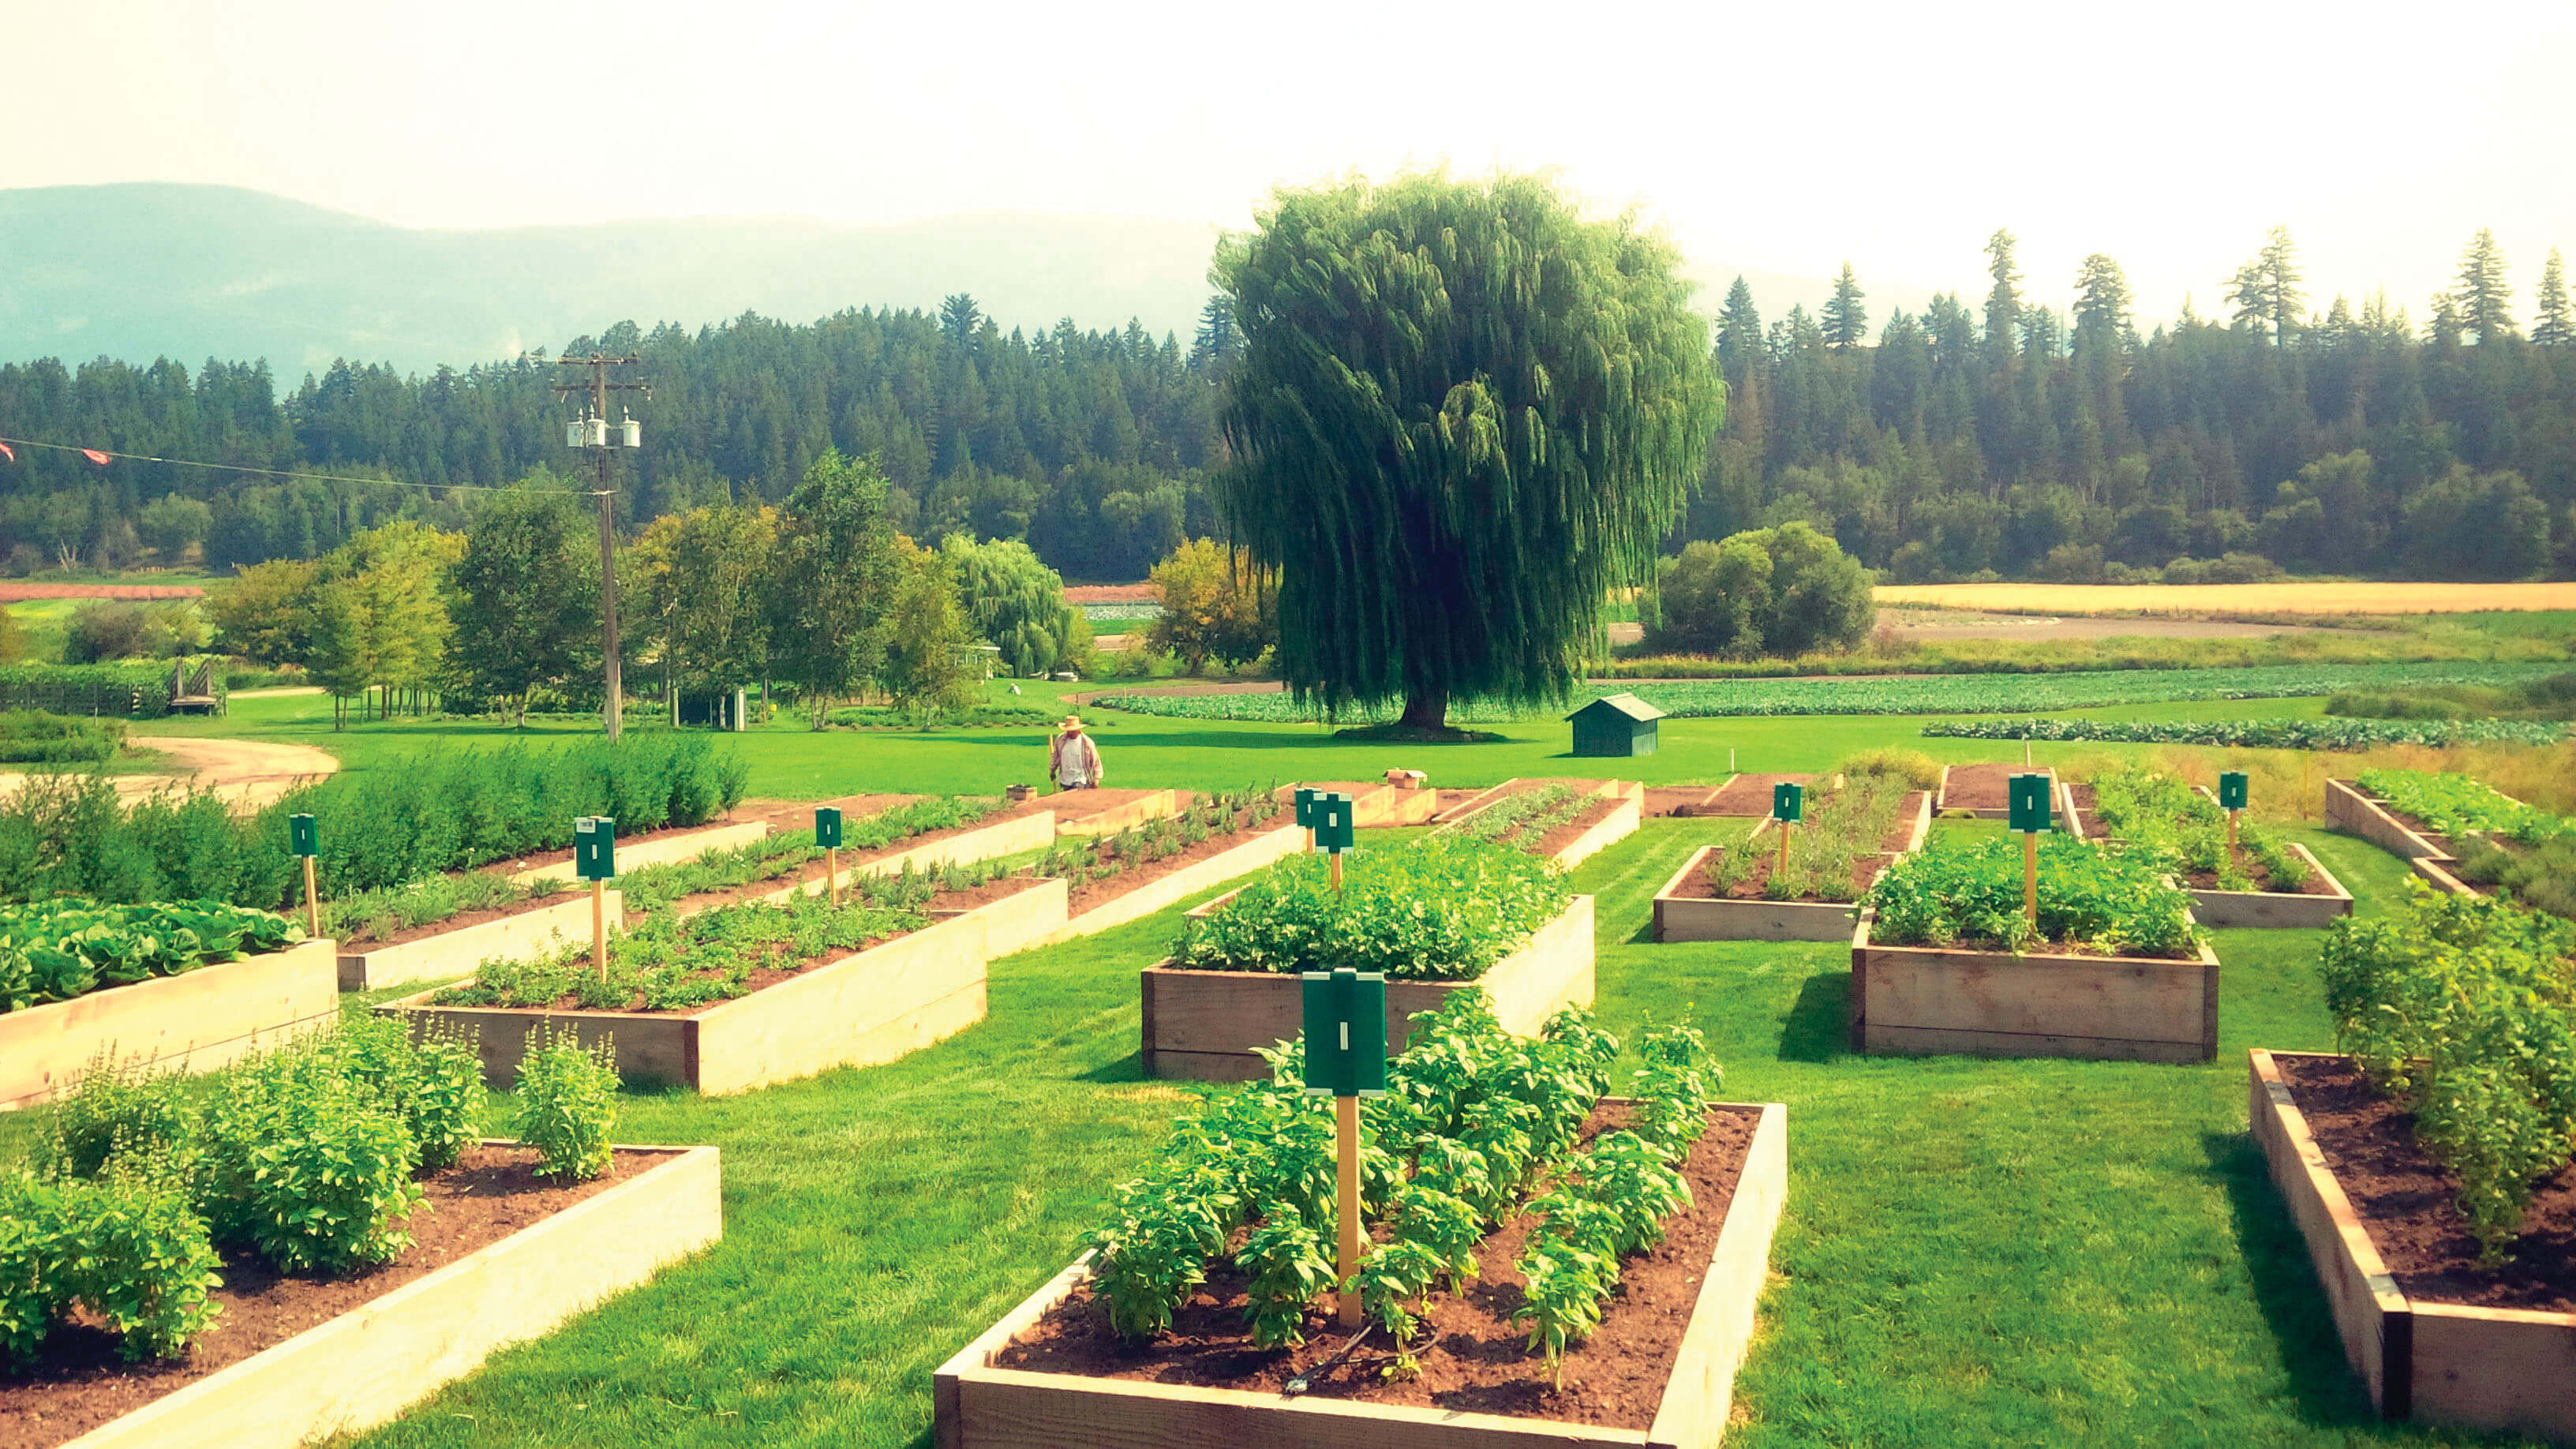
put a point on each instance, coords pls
(103, 457)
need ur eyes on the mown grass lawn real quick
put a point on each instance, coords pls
(1974, 1252)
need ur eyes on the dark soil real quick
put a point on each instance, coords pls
(2407, 1200)
(1749, 794)
(1143, 873)
(1985, 787)
(356, 945)
(1402, 734)
(1679, 800)
(1865, 868)
(2207, 880)
(1474, 1358)
(79, 1383)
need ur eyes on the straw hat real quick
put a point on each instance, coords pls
(1072, 724)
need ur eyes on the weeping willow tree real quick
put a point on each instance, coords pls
(1461, 413)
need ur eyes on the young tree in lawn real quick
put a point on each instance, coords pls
(931, 663)
(832, 581)
(1215, 606)
(1463, 413)
(526, 594)
(1016, 603)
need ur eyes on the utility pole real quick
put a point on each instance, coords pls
(593, 431)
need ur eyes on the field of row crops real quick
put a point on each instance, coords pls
(1938, 694)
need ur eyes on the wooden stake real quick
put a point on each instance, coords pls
(2030, 875)
(599, 927)
(832, 874)
(312, 903)
(2307, 779)
(1346, 1197)
(1782, 869)
(2025, 749)
(1337, 871)
(2231, 834)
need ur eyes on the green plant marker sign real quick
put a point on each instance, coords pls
(1306, 801)
(1345, 1033)
(2232, 790)
(2028, 810)
(594, 847)
(827, 827)
(303, 836)
(1788, 802)
(1333, 819)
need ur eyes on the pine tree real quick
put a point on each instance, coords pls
(2485, 297)
(2101, 305)
(1218, 338)
(1846, 320)
(1494, 454)
(2266, 291)
(2003, 303)
(1739, 333)
(2553, 326)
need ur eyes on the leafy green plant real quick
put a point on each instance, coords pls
(118, 1108)
(2159, 815)
(1289, 1263)
(1524, 818)
(2457, 805)
(567, 1104)
(1441, 908)
(2258, 734)
(58, 949)
(125, 1248)
(304, 1163)
(2090, 900)
(32, 737)
(2465, 1009)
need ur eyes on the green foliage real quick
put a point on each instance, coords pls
(1842, 828)
(33, 737)
(2551, 697)
(835, 572)
(125, 1248)
(118, 1110)
(2256, 734)
(1288, 1264)
(1448, 459)
(435, 1085)
(57, 949)
(1443, 908)
(306, 1163)
(1911, 768)
(141, 691)
(1523, 819)
(567, 1104)
(1788, 590)
(1987, 694)
(2542, 876)
(2090, 900)
(1016, 603)
(1080, 860)
(2158, 815)
(526, 609)
(2462, 1007)
(1215, 605)
(930, 665)
(2457, 805)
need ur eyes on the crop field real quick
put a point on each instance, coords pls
(1940, 694)
(2282, 598)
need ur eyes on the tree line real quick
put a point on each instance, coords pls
(1976, 437)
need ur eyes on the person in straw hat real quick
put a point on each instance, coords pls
(1074, 760)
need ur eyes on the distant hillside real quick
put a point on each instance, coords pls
(191, 272)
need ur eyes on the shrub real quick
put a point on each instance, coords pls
(567, 1105)
(435, 1085)
(1444, 908)
(1784, 590)
(125, 1248)
(1912, 768)
(33, 737)
(306, 1166)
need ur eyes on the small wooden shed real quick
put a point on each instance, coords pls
(1615, 725)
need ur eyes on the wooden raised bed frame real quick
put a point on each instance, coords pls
(1156, 805)
(524, 936)
(2276, 910)
(1259, 848)
(668, 848)
(1941, 794)
(976, 1406)
(862, 1010)
(1702, 918)
(370, 1363)
(1924, 1000)
(2436, 1363)
(195, 1021)
(1202, 1026)
(1618, 825)
(2354, 813)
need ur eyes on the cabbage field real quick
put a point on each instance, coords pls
(2261, 734)
(1930, 694)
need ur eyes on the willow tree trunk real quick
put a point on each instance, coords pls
(1426, 709)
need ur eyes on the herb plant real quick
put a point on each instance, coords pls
(2157, 814)
(567, 1104)
(1442, 908)
(2090, 900)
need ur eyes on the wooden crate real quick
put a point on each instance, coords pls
(2492, 1369)
(977, 1406)
(862, 1010)
(370, 1363)
(525, 936)
(1921, 1000)
(1701, 918)
(1204, 1025)
(192, 1022)
(1259, 849)
(2276, 910)
(663, 848)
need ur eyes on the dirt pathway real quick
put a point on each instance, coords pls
(247, 774)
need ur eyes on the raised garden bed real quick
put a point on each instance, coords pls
(1588, 816)
(1688, 908)
(1375, 804)
(503, 1256)
(2355, 812)
(1748, 794)
(2315, 906)
(192, 1022)
(1659, 1372)
(1982, 791)
(535, 929)
(659, 847)
(2188, 822)
(1134, 895)
(2433, 1337)
(1205, 1025)
(871, 1006)
(1106, 812)
(1924, 1000)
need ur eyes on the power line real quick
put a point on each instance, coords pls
(271, 472)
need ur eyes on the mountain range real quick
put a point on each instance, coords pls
(143, 270)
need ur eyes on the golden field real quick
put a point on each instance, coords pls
(2287, 598)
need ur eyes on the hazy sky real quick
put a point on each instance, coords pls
(1789, 138)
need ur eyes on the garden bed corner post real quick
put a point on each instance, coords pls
(1345, 1037)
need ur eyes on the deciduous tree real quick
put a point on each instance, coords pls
(527, 594)
(832, 582)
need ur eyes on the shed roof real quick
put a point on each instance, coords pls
(1627, 704)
